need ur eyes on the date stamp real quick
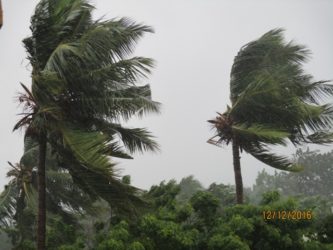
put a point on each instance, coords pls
(287, 215)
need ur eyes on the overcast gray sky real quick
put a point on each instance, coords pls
(194, 46)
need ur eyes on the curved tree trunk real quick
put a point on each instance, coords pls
(237, 170)
(41, 221)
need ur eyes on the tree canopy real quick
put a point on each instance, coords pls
(84, 84)
(273, 101)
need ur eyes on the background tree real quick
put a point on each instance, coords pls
(225, 193)
(199, 224)
(188, 187)
(83, 83)
(314, 180)
(272, 100)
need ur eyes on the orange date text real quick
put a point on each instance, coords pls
(287, 215)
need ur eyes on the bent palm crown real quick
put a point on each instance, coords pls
(273, 100)
(83, 84)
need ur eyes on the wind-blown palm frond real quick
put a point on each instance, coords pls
(125, 103)
(8, 205)
(120, 196)
(12, 199)
(117, 37)
(54, 22)
(257, 132)
(269, 88)
(135, 139)
(88, 148)
(270, 70)
(113, 149)
(122, 139)
(263, 54)
(260, 152)
(123, 73)
(320, 138)
(272, 101)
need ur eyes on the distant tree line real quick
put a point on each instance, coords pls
(186, 215)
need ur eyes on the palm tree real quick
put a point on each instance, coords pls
(83, 85)
(18, 200)
(272, 101)
(13, 198)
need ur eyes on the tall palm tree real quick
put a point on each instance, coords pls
(272, 101)
(83, 85)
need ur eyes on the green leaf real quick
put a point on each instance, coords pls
(260, 152)
(257, 132)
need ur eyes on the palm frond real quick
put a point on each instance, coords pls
(257, 132)
(124, 198)
(8, 204)
(124, 103)
(83, 72)
(62, 190)
(59, 59)
(320, 137)
(123, 71)
(114, 39)
(137, 139)
(318, 92)
(269, 50)
(133, 139)
(52, 23)
(88, 148)
(260, 152)
(115, 150)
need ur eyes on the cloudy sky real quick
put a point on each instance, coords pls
(194, 44)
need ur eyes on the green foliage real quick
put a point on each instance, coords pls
(219, 242)
(59, 233)
(273, 101)
(168, 234)
(199, 224)
(207, 220)
(126, 179)
(270, 197)
(64, 198)
(136, 246)
(188, 187)
(164, 194)
(225, 193)
(27, 245)
(312, 186)
(111, 244)
(203, 222)
(83, 83)
(325, 229)
(241, 226)
(205, 205)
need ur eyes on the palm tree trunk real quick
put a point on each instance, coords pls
(237, 170)
(19, 214)
(41, 228)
